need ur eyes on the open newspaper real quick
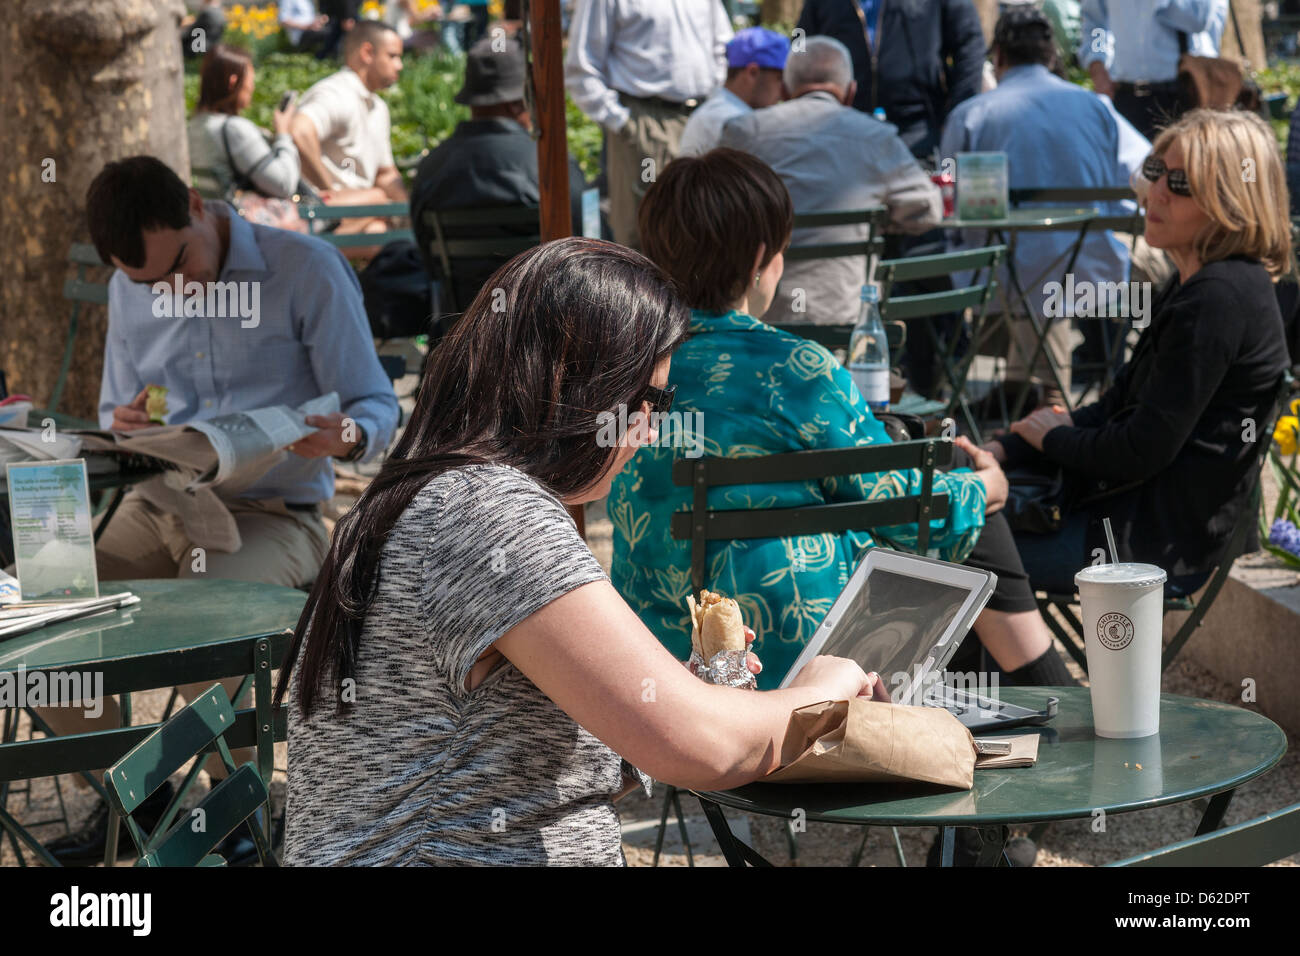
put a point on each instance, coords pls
(206, 461)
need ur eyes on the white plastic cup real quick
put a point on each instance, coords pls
(1123, 615)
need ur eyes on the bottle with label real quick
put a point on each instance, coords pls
(868, 360)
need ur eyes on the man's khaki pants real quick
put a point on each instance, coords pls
(635, 156)
(280, 546)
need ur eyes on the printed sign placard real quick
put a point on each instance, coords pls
(54, 541)
(982, 186)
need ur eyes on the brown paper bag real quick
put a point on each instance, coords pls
(870, 741)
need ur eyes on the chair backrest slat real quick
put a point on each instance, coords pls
(808, 465)
(82, 290)
(833, 250)
(150, 762)
(1256, 842)
(354, 239)
(330, 213)
(935, 303)
(833, 518)
(226, 806)
(940, 264)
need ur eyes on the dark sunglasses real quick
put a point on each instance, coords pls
(660, 399)
(1154, 167)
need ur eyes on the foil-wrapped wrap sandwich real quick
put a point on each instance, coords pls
(718, 647)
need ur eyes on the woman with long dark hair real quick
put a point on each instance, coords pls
(465, 676)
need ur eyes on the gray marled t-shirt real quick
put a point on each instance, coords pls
(421, 771)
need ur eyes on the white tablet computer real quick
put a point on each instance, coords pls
(903, 617)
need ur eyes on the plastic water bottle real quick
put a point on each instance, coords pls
(879, 113)
(869, 352)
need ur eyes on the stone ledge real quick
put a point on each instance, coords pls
(1253, 631)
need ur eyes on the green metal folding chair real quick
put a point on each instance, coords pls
(193, 732)
(982, 263)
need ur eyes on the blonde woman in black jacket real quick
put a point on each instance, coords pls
(1166, 451)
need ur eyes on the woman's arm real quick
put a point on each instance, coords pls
(273, 169)
(590, 654)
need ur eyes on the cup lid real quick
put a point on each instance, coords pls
(1125, 574)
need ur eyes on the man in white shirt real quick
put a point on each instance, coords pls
(755, 59)
(342, 128)
(639, 69)
(832, 157)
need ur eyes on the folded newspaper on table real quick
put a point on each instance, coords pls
(207, 461)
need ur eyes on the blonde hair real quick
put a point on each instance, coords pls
(1235, 171)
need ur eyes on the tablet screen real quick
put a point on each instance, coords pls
(892, 624)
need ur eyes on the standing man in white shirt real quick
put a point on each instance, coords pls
(755, 59)
(639, 69)
(342, 128)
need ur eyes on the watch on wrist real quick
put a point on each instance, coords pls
(359, 449)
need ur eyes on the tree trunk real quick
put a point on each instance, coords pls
(783, 12)
(82, 82)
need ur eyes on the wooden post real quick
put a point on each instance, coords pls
(548, 93)
(552, 143)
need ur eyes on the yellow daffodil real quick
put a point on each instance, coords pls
(1286, 433)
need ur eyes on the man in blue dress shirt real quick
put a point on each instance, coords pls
(307, 336)
(1056, 136)
(1132, 47)
(295, 329)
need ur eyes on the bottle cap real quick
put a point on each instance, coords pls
(870, 292)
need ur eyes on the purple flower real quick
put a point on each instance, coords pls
(1285, 535)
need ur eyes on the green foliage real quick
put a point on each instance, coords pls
(421, 103)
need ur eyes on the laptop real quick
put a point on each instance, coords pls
(904, 616)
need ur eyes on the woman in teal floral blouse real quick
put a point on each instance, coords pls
(717, 225)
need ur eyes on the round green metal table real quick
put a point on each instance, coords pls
(1204, 749)
(182, 631)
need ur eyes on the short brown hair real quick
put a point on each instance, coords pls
(216, 93)
(704, 219)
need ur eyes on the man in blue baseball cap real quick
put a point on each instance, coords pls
(755, 59)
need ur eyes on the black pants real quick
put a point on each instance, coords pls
(1152, 112)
